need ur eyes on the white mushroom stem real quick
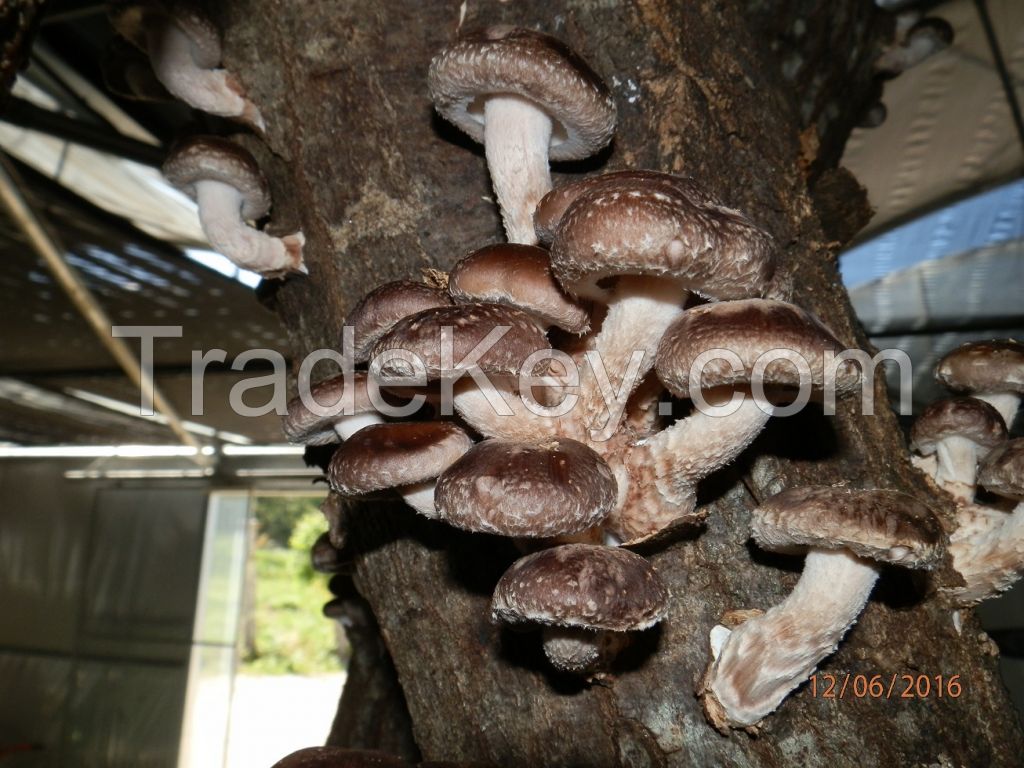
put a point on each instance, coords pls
(639, 312)
(703, 442)
(500, 411)
(210, 90)
(220, 213)
(990, 559)
(1007, 403)
(517, 135)
(347, 426)
(766, 657)
(957, 469)
(420, 496)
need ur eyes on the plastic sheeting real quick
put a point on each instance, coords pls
(98, 587)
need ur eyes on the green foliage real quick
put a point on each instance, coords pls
(277, 515)
(292, 634)
(305, 533)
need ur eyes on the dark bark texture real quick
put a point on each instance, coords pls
(384, 189)
(18, 19)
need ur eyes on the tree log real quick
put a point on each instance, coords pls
(756, 101)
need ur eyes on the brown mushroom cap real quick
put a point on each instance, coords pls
(581, 585)
(339, 757)
(887, 526)
(421, 334)
(520, 276)
(671, 228)
(984, 366)
(1002, 472)
(749, 328)
(391, 455)
(302, 426)
(504, 60)
(211, 158)
(513, 488)
(965, 417)
(555, 203)
(378, 311)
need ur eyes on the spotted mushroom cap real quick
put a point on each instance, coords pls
(984, 366)
(664, 226)
(421, 334)
(1002, 472)
(379, 310)
(306, 427)
(392, 455)
(211, 158)
(749, 328)
(965, 417)
(520, 276)
(503, 60)
(555, 203)
(514, 488)
(340, 757)
(581, 585)
(887, 526)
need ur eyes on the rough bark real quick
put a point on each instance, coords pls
(384, 189)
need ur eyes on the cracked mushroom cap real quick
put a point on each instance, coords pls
(581, 585)
(965, 417)
(663, 226)
(339, 757)
(395, 454)
(211, 158)
(303, 426)
(1002, 472)
(378, 311)
(749, 328)
(470, 324)
(503, 60)
(520, 489)
(520, 276)
(984, 366)
(886, 526)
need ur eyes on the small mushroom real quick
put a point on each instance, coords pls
(378, 311)
(341, 407)
(127, 73)
(586, 597)
(184, 49)
(991, 558)
(992, 371)
(674, 460)
(324, 556)
(527, 490)
(959, 431)
(489, 343)
(527, 97)
(925, 38)
(520, 276)
(661, 237)
(404, 455)
(230, 190)
(846, 533)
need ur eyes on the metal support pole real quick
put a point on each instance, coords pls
(71, 281)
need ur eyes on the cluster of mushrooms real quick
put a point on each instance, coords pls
(169, 48)
(962, 443)
(522, 394)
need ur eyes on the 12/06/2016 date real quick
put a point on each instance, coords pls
(894, 686)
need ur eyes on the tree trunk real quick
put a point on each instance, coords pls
(383, 188)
